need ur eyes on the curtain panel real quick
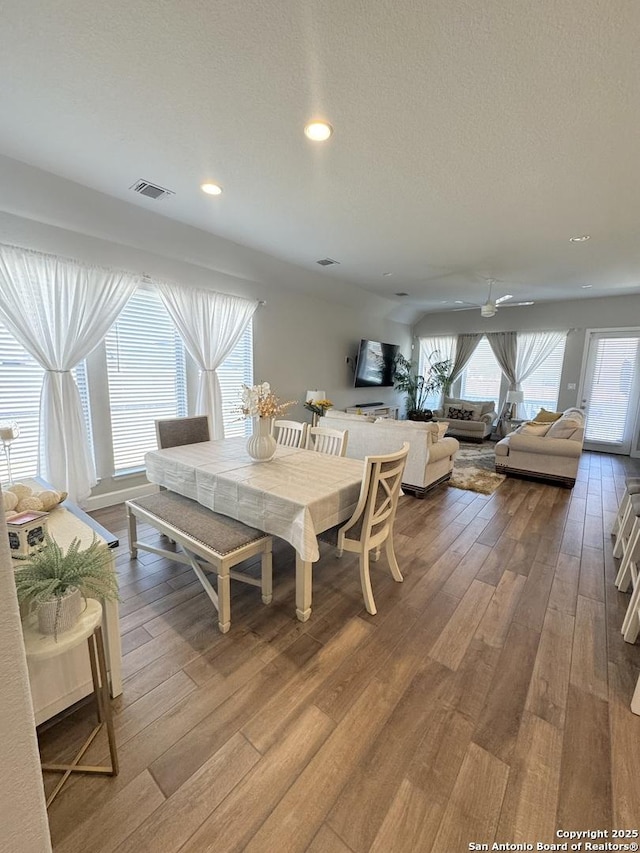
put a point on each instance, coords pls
(533, 349)
(210, 324)
(465, 347)
(60, 310)
(504, 346)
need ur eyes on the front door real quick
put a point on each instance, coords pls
(610, 390)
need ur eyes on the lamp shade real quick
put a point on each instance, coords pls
(312, 396)
(515, 396)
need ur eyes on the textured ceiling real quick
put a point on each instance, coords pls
(472, 139)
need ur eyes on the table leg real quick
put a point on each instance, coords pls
(635, 702)
(303, 588)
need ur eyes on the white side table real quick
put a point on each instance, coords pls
(59, 683)
(40, 647)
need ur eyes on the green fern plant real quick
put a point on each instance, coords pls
(52, 573)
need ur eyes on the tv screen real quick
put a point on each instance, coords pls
(375, 366)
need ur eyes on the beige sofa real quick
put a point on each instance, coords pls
(552, 454)
(430, 459)
(476, 423)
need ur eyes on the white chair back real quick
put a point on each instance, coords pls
(371, 524)
(290, 433)
(330, 441)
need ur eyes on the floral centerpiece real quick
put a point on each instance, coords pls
(260, 403)
(318, 407)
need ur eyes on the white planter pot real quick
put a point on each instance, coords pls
(60, 614)
(262, 445)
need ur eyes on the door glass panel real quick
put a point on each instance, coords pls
(610, 392)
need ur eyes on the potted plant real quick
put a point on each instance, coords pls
(417, 387)
(55, 583)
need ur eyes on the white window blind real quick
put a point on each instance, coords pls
(611, 387)
(20, 388)
(236, 369)
(482, 376)
(147, 378)
(541, 389)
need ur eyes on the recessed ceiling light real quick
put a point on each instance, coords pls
(586, 286)
(318, 131)
(458, 302)
(211, 189)
(582, 239)
(387, 274)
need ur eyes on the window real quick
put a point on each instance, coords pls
(541, 389)
(145, 379)
(20, 386)
(146, 375)
(20, 389)
(482, 376)
(235, 370)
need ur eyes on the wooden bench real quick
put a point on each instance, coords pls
(208, 541)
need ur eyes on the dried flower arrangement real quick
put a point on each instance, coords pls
(259, 401)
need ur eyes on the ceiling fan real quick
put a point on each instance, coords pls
(490, 307)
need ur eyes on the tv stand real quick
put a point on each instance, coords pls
(379, 410)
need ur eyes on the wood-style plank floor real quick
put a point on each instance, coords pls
(487, 701)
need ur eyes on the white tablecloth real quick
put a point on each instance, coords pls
(295, 496)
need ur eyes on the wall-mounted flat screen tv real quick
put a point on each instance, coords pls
(375, 366)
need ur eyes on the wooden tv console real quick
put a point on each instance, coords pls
(378, 410)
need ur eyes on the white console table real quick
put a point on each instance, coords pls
(376, 411)
(58, 683)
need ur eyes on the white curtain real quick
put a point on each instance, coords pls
(444, 345)
(60, 310)
(533, 349)
(210, 324)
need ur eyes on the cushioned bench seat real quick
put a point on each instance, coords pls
(209, 541)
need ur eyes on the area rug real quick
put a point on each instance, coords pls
(474, 468)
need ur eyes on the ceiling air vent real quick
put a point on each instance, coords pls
(327, 262)
(146, 188)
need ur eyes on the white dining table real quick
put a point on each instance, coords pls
(295, 496)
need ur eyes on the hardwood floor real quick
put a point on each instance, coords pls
(487, 701)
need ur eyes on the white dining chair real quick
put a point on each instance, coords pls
(290, 433)
(624, 519)
(371, 524)
(325, 440)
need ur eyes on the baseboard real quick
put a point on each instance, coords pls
(118, 497)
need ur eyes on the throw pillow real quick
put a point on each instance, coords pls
(442, 430)
(564, 428)
(534, 429)
(545, 417)
(460, 414)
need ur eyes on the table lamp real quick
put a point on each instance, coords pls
(9, 431)
(312, 396)
(514, 397)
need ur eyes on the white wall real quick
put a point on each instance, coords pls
(310, 324)
(578, 315)
(23, 818)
